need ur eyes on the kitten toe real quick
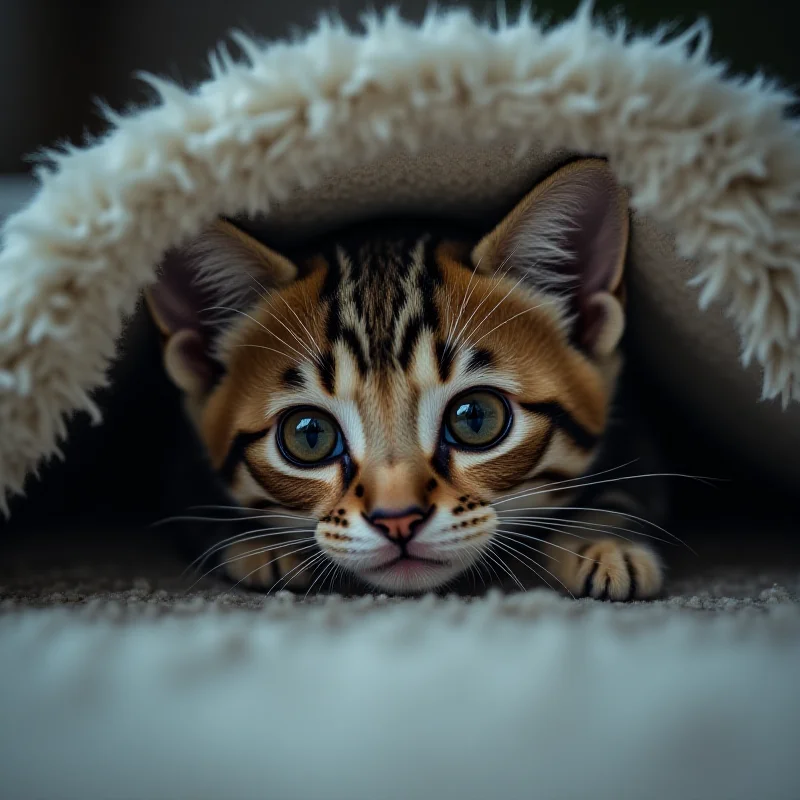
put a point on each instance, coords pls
(645, 571)
(618, 571)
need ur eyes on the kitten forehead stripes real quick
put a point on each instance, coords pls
(380, 299)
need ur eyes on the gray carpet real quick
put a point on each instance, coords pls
(120, 681)
(730, 570)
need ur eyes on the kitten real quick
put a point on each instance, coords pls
(424, 400)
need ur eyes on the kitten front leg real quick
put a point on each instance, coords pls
(593, 564)
(286, 567)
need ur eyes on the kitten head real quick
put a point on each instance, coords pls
(396, 386)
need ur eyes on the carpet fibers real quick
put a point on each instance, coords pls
(120, 681)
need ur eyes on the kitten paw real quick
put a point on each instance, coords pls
(267, 570)
(612, 570)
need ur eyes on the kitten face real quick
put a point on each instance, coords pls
(406, 380)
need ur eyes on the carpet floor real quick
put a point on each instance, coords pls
(121, 681)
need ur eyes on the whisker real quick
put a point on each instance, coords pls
(317, 359)
(282, 555)
(473, 571)
(545, 541)
(519, 556)
(244, 537)
(512, 495)
(470, 571)
(599, 527)
(267, 295)
(485, 563)
(497, 305)
(254, 509)
(334, 575)
(322, 575)
(277, 546)
(497, 560)
(321, 578)
(494, 279)
(305, 563)
(271, 350)
(464, 300)
(576, 523)
(249, 518)
(268, 548)
(477, 308)
(319, 565)
(500, 325)
(619, 514)
(467, 296)
(503, 535)
(563, 527)
(268, 299)
(260, 325)
(543, 490)
(311, 354)
(479, 566)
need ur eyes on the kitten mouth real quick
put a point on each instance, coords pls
(404, 558)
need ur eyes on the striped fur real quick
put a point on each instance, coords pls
(381, 329)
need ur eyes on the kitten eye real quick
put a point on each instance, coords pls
(308, 436)
(477, 419)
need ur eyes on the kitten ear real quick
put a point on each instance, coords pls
(568, 239)
(200, 289)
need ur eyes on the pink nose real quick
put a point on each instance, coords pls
(398, 526)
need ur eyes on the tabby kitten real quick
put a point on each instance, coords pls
(423, 398)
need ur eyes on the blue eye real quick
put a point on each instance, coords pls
(477, 419)
(308, 437)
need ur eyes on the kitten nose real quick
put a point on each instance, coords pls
(398, 526)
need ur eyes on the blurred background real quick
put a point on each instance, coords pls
(57, 58)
